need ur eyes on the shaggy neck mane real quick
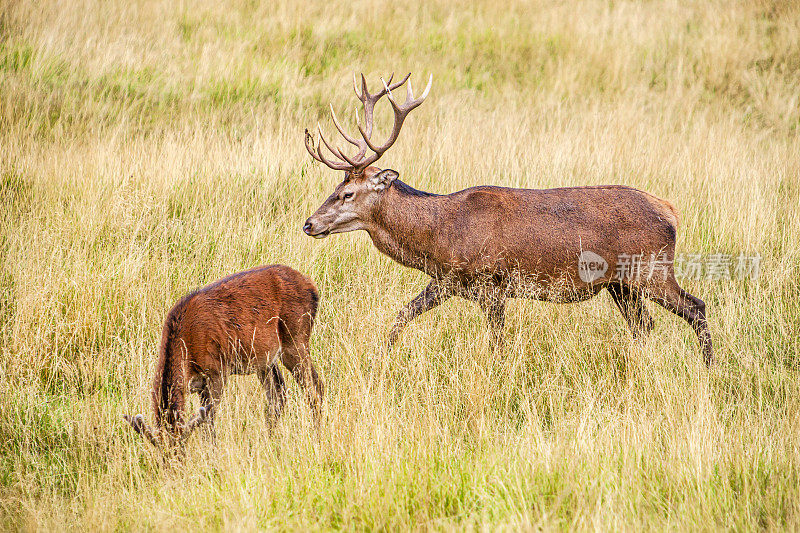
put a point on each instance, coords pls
(408, 190)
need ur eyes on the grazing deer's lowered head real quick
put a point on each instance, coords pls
(161, 438)
(488, 244)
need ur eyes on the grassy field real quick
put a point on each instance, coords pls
(147, 148)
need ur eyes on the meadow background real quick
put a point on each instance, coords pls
(150, 147)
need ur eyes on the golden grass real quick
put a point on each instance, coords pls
(147, 148)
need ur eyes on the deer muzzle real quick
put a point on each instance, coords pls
(313, 231)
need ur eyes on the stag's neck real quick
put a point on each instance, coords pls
(405, 226)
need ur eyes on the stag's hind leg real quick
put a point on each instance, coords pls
(496, 313)
(631, 304)
(494, 305)
(692, 309)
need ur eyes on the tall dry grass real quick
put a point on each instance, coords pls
(147, 148)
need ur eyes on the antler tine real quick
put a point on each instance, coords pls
(347, 137)
(309, 140)
(353, 164)
(331, 164)
(335, 165)
(409, 91)
(335, 150)
(410, 102)
(316, 153)
(386, 88)
(399, 83)
(365, 94)
(332, 149)
(364, 91)
(367, 139)
(377, 96)
(427, 88)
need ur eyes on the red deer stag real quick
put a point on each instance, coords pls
(241, 324)
(487, 244)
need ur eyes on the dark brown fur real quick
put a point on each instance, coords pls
(241, 324)
(490, 243)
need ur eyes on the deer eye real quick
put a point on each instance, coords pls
(347, 195)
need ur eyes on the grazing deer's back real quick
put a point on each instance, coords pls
(242, 312)
(273, 288)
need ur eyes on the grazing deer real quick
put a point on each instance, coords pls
(488, 244)
(241, 324)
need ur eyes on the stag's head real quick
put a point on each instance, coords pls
(353, 200)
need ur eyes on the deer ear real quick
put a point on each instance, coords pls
(383, 179)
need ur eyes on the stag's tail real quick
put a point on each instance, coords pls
(674, 212)
(169, 381)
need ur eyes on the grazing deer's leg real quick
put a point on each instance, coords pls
(275, 387)
(299, 363)
(295, 341)
(630, 303)
(692, 309)
(210, 396)
(433, 295)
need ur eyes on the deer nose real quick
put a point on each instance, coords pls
(307, 227)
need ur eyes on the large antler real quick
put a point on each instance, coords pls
(361, 161)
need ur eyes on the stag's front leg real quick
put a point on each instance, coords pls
(436, 293)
